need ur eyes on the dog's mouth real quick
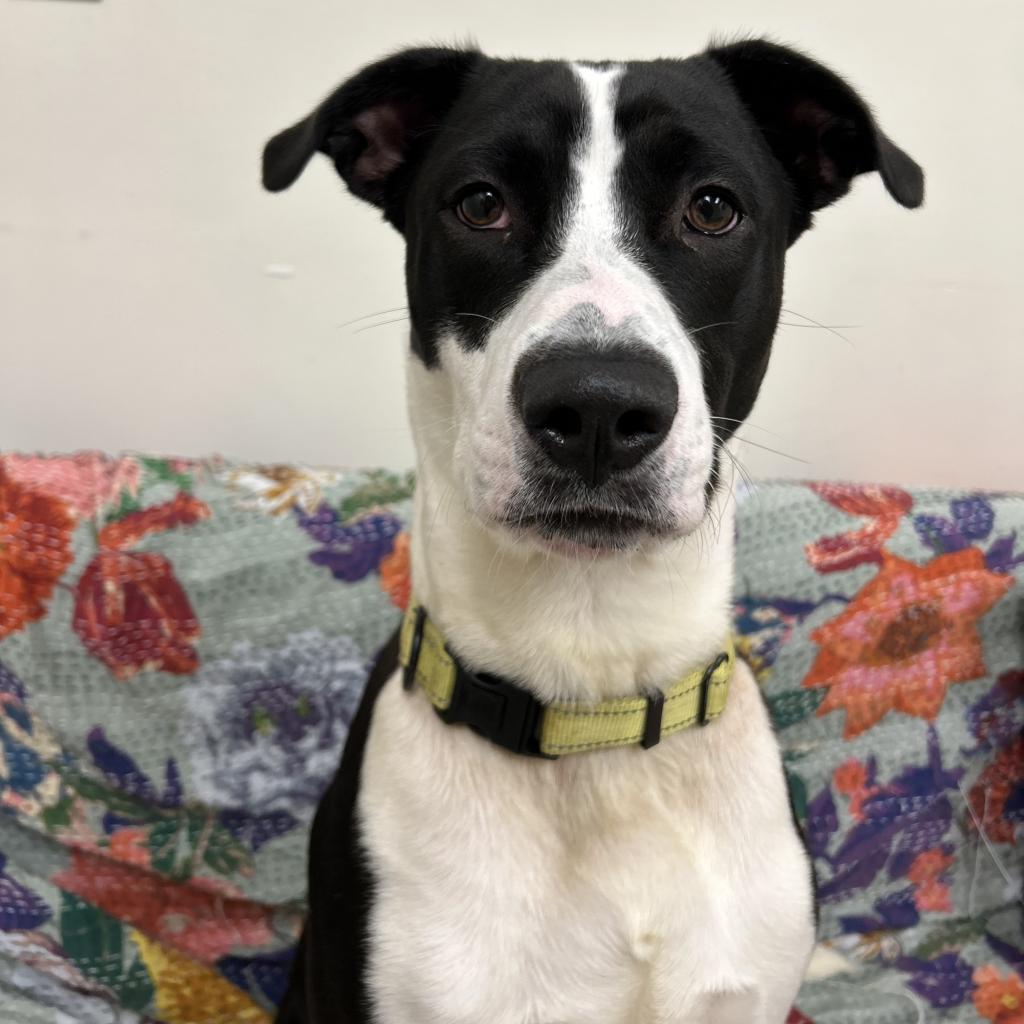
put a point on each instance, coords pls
(578, 530)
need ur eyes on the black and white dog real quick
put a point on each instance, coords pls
(594, 266)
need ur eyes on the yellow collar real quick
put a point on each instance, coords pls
(512, 717)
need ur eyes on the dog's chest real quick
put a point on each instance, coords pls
(600, 887)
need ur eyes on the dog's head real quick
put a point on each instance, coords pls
(594, 262)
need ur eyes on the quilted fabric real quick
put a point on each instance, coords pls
(182, 647)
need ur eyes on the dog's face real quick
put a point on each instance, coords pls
(594, 262)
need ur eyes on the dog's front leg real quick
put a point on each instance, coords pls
(775, 998)
(746, 1006)
(735, 1008)
(775, 1004)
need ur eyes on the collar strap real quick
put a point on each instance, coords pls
(513, 718)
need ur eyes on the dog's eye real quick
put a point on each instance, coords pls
(482, 207)
(711, 213)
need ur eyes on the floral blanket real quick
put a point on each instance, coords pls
(183, 643)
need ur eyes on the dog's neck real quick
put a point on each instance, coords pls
(574, 629)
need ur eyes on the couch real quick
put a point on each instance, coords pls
(182, 647)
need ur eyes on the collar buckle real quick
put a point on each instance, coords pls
(705, 686)
(409, 672)
(500, 711)
(652, 720)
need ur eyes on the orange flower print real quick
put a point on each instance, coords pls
(925, 874)
(35, 549)
(1002, 778)
(883, 507)
(851, 779)
(203, 919)
(129, 846)
(395, 580)
(130, 610)
(86, 481)
(998, 999)
(906, 636)
(132, 614)
(182, 510)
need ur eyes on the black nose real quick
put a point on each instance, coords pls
(596, 412)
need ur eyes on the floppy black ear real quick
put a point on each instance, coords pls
(371, 125)
(819, 129)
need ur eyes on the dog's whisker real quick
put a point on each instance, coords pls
(818, 323)
(1011, 882)
(730, 500)
(774, 451)
(370, 316)
(725, 446)
(707, 327)
(448, 423)
(821, 327)
(977, 861)
(479, 316)
(748, 480)
(737, 464)
(383, 323)
(498, 549)
(431, 525)
(746, 423)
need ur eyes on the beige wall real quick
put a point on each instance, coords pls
(153, 297)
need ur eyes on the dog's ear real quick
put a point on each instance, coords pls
(819, 129)
(372, 126)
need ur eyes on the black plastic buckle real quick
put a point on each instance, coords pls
(499, 711)
(705, 686)
(409, 673)
(652, 723)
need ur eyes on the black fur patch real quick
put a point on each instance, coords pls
(328, 981)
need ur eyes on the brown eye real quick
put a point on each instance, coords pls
(482, 207)
(711, 213)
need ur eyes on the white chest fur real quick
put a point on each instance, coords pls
(626, 887)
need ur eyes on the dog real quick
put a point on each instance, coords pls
(569, 807)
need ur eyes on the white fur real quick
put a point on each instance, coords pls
(626, 886)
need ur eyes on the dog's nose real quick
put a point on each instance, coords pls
(596, 413)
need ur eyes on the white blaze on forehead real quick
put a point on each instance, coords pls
(595, 214)
(594, 227)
